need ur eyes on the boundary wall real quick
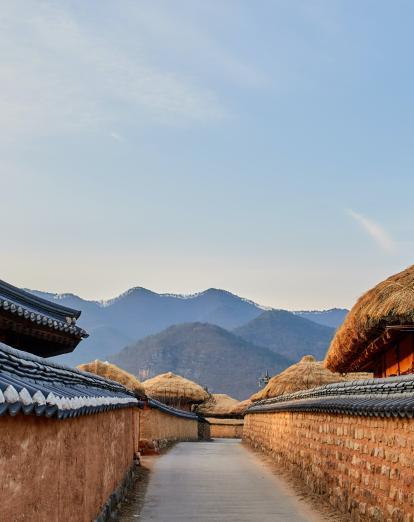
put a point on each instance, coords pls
(64, 470)
(161, 425)
(352, 442)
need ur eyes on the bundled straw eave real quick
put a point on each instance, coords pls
(174, 387)
(217, 404)
(307, 373)
(241, 407)
(391, 302)
(114, 373)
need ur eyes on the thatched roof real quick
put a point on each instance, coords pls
(217, 404)
(241, 407)
(113, 372)
(307, 373)
(169, 386)
(389, 303)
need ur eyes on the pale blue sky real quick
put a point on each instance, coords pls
(262, 147)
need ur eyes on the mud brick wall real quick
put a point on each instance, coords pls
(225, 428)
(162, 428)
(63, 470)
(364, 465)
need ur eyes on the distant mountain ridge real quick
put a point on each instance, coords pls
(138, 313)
(287, 334)
(333, 317)
(205, 353)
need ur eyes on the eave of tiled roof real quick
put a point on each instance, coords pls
(389, 397)
(37, 304)
(31, 385)
(41, 318)
(153, 403)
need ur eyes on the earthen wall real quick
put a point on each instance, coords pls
(364, 465)
(63, 470)
(162, 428)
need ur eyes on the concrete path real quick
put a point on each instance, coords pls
(219, 481)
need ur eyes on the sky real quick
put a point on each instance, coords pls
(260, 147)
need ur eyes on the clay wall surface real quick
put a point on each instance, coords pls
(161, 427)
(365, 465)
(63, 470)
(226, 428)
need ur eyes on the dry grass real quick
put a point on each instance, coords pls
(172, 387)
(217, 404)
(391, 302)
(113, 372)
(241, 407)
(307, 373)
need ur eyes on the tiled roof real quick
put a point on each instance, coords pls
(32, 385)
(153, 403)
(39, 311)
(389, 397)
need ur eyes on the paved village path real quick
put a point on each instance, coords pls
(219, 481)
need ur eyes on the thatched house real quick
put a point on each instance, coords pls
(216, 411)
(307, 373)
(114, 373)
(217, 405)
(240, 408)
(175, 390)
(378, 333)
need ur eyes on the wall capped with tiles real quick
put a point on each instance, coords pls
(364, 465)
(158, 429)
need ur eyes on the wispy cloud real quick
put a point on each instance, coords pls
(375, 231)
(61, 72)
(116, 136)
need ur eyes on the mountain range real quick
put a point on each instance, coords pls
(287, 334)
(205, 353)
(154, 326)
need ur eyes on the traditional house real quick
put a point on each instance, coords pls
(240, 408)
(159, 424)
(35, 325)
(308, 373)
(114, 373)
(378, 333)
(51, 446)
(217, 405)
(350, 440)
(216, 411)
(176, 391)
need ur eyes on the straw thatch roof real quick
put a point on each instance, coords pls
(217, 404)
(113, 372)
(241, 407)
(307, 373)
(389, 303)
(172, 387)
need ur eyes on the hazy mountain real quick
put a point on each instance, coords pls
(205, 353)
(138, 313)
(287, 334)
(333, 317)
(102, 342)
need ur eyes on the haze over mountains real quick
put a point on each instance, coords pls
(264, 339)
(287, 334)
(206, 353)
